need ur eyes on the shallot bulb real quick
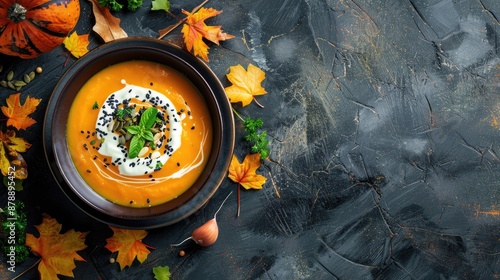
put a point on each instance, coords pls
(207, 234)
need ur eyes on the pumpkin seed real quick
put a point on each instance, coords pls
(11, 85)
(31, 75)
(121, 140)
(26, 78)
(19, 83)
(3, 83)
(128, 136)
(1, 68)
(115, 126)
(18, 88)
(10, 75)
(153, 130)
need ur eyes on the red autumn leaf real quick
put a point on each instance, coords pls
(128, 244)
(195, 29)
(57, 251)
(17, 114)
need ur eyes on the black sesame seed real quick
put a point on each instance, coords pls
(88, 171)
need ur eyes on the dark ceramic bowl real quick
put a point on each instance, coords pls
(56, 145)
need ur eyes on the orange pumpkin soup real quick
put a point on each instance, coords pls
(139, 133)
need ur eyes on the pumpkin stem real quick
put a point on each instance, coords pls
(16, 13)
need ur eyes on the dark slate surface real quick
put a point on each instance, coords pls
(383, 118)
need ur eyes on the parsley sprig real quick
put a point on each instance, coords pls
(255, 135)
(13, 223)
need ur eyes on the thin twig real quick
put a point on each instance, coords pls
(257, 102)
(238, 199)
(172, 27)
(272, 181)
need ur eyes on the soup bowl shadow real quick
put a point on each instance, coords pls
(63, 168)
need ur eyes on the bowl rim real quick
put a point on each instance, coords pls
(193, 200)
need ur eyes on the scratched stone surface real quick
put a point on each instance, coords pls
(384, 121)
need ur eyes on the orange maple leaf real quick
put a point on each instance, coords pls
(57, 251)
(245, 173)
(195, 30)
(129, 245)
(77, 44)
(246, 84)
(17, 114)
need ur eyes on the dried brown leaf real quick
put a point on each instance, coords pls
(107, 26)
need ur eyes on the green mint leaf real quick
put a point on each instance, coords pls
(95, 106)
(134, 129)
(148, 118)
(157, 5)
(148, 135)
(135, 147)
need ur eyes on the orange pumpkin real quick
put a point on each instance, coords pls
(31, 27)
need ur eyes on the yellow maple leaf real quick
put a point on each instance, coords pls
(10, 159)
(195, 30)
(128, 244)
(246, 84)
(57, 251)
(17, 114)
(77, 44)
(245, 173)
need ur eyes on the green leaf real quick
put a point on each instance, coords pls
(258, 139)
(162, 272)
(111, 4)
(158, 165)
(134, 129)
(148, 118)
(95, 106)
(148, 135)
(252, 125)
(121, 113)
(136, 144)
(157, 5)
(18, 183)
